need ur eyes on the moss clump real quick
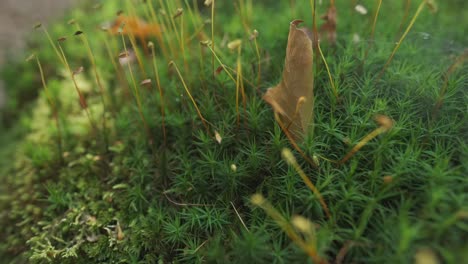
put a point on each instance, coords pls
(143, 177)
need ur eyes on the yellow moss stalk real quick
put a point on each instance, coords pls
(260, 201)
(291, 160)
(385, 125)
(204, 121)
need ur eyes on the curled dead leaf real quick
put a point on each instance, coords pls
(132, 25)
(293, 97)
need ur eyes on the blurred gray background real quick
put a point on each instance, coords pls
(17, 17)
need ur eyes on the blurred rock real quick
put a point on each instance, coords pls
(17, 18)
(2, 95)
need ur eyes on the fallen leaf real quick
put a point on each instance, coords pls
(129, 25)
(135, 26)
(329, 27)
(293, 97)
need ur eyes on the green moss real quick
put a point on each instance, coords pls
(119, 192)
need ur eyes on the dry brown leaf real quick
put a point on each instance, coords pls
(134, 26)
(329, 27)
(293, 97)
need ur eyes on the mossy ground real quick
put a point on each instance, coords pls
(124, 194)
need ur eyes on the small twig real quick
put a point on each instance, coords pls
(183, 204)
(240, 218)
(204, 121)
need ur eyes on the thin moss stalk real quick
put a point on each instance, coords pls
(102, 92)
(204, 121)
(372, 34)
(82, 99)
(53, 107)
(260, 201)
(440, 99)
(117, 68)
(413, 20)
(385, 125)
(403, 19)
(330, 78)
(291, 160)
(136, 92)
(161, 92)
(51, 42)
